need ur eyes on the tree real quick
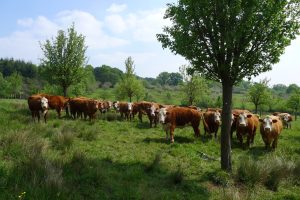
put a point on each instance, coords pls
(165, 78)
(194, 86)
(162, 78)
(107, 74)
(129, 86)
(65, 58)
(294, 102)
(259, 93)
(14, 82)
(227, 41)
(292, 88)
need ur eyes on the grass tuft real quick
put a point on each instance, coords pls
(155, 163)
(62, 140)
(177, 176)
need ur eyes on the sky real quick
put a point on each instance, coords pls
(113, 30)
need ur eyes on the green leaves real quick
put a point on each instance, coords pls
(65, 58)
(231, 40)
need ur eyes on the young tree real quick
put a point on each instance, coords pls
(65, 58)
(227, 41)
(194, 86)
(259, 93)
(129, 86)
(294, 102)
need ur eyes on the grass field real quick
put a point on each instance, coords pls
(115, 159)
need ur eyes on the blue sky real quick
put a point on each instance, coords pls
(114, 30)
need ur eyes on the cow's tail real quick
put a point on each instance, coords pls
(206, 127)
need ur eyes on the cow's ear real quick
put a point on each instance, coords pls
(249, 116)
(274, 120)
(235, 115)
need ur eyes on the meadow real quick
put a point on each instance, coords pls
(111, 158)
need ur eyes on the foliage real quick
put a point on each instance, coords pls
(106, 73)
(10, 85)
(194, 87)
(294, 101)
(292, 88)
(65, 58)
(166, 78)
(25, 69)
(259, 93)
(129, 86)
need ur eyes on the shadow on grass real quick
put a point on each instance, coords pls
(177, 139)
(144, 125)
(84, 178)
(258, 151)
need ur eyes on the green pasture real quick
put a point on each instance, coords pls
(111, 158)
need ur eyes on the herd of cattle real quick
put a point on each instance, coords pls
(170, 116)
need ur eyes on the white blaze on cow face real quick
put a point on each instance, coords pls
(116, 105)
(217, 117)
(243, 120)
(109, 104)
(286, 118)
(152, 110)
(267, 124)
(129, 107)
(162, 115)
(44, 103)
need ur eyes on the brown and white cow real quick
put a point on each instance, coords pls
(270, 129)
(125, 109)
(104, 106)
(179, 117)
(234, 120)
(211, 122)
(57, 103)
(151, 109)
(286, 119)
(85, 106)
(37, 104)
(246, 125)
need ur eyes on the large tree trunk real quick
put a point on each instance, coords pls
(226, 126)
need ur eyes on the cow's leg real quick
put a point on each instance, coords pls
(196, 131)
(274, 144)
(58, 110)
(140, 115)
(45, 115)
(248, 140)
(38, 115)
(172, 134)
(33, 116)
(150, 120)
(240, 138)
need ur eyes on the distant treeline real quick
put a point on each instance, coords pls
(19, 79)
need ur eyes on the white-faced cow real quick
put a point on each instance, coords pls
(37, 104)
(179, 117)
(270, 129)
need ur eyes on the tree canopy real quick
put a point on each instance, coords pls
(64, 58)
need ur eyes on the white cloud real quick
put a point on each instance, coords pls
(25, 22)
(115, 23)
(116, 8)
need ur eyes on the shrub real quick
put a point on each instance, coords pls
(88, 134)
(62, 140)
(249, 172)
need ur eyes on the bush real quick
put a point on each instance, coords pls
(250, 172)
(62, 140)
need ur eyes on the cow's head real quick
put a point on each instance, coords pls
(116, 105)
(286, 117)
(243, 119)
(162, 114)
(44, 103)
(109, 104)
(101, 106)
(267, 123)
(217, 117)
(95, 104)
(129, 107)
(152, 110)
